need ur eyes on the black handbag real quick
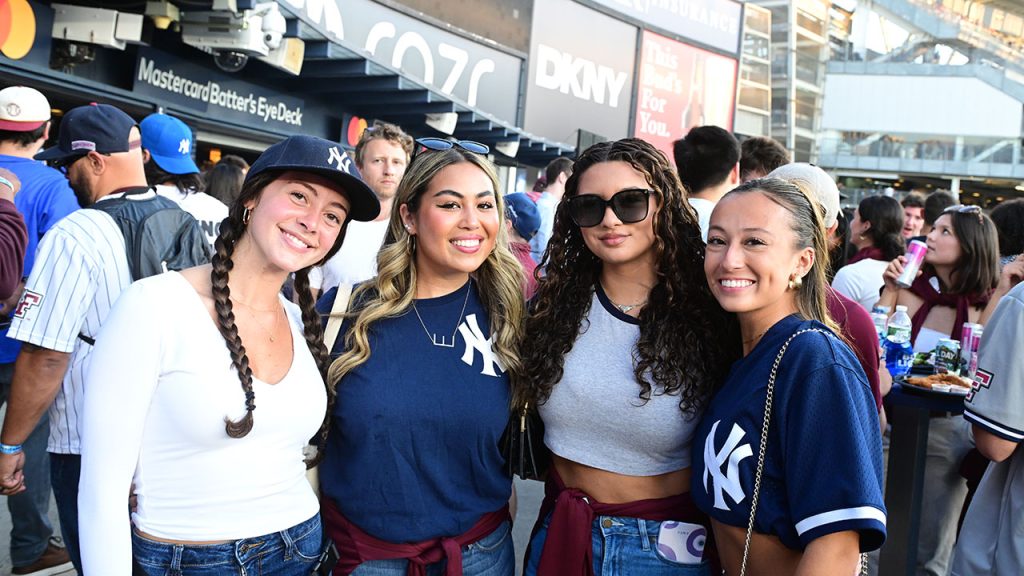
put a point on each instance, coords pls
(522, 445)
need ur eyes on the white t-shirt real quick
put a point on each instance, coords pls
(160, 386)
(861, 281)
(80, 271)
(356, 261)
(206, 209)
(704, 209)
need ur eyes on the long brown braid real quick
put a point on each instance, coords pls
(224, 247)
(231, 229)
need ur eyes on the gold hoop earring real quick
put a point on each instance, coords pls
(246, 215)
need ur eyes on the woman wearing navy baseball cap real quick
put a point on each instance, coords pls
(181, 365)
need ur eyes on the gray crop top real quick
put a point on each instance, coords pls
(595, 415)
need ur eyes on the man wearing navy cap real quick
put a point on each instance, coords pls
(81, 268)
(168, 147)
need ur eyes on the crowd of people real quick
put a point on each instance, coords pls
(691, 335)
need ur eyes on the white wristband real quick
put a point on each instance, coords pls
(7, 183)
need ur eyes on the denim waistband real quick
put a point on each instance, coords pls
(227, 552)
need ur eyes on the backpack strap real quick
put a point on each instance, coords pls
(341, 303)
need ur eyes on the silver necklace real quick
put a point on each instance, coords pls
(441, 341)
(624, 308)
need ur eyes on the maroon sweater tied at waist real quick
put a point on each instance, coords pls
(568, 549)
(356, 547)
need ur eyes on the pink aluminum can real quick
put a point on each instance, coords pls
(915, 256)
(967, 338)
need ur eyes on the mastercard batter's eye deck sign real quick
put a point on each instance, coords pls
(17, 28)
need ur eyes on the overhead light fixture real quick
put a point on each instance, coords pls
(444, 122)
(99, 26)
(509, 147)
(163, 13)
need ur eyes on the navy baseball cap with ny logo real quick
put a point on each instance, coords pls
(323, 158)
(94, 128)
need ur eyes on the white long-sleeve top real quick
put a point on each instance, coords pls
(157, 390)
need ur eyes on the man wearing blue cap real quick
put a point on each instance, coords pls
(81, 268)
(168, 144)
(523, 224)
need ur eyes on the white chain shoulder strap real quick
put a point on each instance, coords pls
(764, 443)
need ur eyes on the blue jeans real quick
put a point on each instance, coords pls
(291, 552)
(492, 555)
(65, 470)
(30, 521)
(622, 547)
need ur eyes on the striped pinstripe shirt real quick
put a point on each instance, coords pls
(81, 268)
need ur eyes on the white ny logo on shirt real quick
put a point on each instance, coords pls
(731, 451)
(475, 342)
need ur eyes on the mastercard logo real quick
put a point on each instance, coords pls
(17, 28)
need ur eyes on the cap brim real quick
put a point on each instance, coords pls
(55, 153)
(175, 165)
(11, 126)
(363, 202)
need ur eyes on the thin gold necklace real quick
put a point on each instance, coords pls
(277, 317)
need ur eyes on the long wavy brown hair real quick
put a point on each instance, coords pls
(687, 342)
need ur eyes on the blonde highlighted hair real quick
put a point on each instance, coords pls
(499, 279)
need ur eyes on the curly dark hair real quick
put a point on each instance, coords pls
(687, 342)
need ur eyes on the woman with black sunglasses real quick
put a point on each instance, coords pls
(623, 347)
(412, 475)
(961, 267)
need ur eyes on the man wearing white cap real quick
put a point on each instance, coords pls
(44, 199)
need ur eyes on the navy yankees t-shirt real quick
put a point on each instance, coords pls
(413, 447)
(823, 460)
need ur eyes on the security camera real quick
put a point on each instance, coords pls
(254, 32)
(229, 60)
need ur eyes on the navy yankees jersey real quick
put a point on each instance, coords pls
(823, 460)
(413, 452)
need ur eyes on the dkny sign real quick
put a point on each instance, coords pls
(581, 72)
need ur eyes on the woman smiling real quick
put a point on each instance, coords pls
(413, 475)
(807, 497)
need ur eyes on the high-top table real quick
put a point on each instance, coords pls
(908, 442)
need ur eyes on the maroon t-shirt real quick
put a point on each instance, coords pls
(859, 330)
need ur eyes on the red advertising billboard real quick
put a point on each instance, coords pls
(680, 87)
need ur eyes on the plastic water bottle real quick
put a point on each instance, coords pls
(880, 316)
(898, 351)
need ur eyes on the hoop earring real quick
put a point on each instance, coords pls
(795, 282)
(412, 244)
(246, 216)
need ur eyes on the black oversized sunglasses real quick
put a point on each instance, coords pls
(629, 205)
(439, 144)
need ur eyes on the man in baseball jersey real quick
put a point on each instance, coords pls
(45, 198)
(81, 268)
(990, 541)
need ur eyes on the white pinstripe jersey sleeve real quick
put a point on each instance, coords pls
(80, 270)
